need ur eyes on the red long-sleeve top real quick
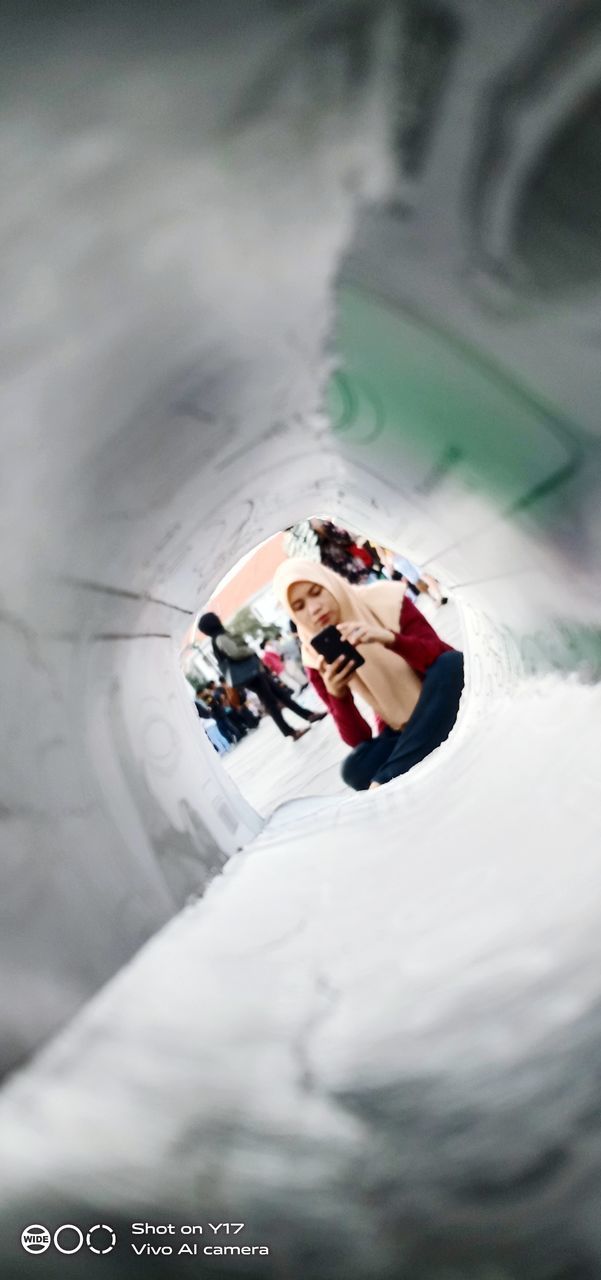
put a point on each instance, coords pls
(416, 641)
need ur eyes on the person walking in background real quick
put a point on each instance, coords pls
(283, 668)
(242, 668)
(291, 653)
(271, 658)
(410, 677)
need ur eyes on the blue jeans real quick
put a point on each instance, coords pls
(393, 752)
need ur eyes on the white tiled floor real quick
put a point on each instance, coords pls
(271, 770)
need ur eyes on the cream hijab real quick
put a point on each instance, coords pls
(386, 681)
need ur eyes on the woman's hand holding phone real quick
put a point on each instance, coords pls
(336, 671)
(336, 675)
(364, 633)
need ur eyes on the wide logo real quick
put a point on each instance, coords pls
(36, 1239)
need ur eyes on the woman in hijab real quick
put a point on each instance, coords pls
(410, 677)
(243, 669)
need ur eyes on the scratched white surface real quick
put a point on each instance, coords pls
(377, 1035)
(259, 1053)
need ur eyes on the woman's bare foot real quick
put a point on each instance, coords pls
(374, 785)
(299, 733)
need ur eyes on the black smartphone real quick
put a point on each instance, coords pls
(330, 645)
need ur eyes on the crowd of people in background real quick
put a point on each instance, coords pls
(245, 671)
(357, 561)
(227, 715)
(360, 560)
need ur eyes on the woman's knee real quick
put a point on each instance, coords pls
(452, 666)
(456, 681)
(443, 681)
(355, 770)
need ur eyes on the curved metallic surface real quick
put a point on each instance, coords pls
(261, 261)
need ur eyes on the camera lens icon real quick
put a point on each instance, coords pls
(101, 1243)
(75, 1239)
(35, 1239)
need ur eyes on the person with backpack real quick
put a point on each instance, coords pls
(241, 667)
